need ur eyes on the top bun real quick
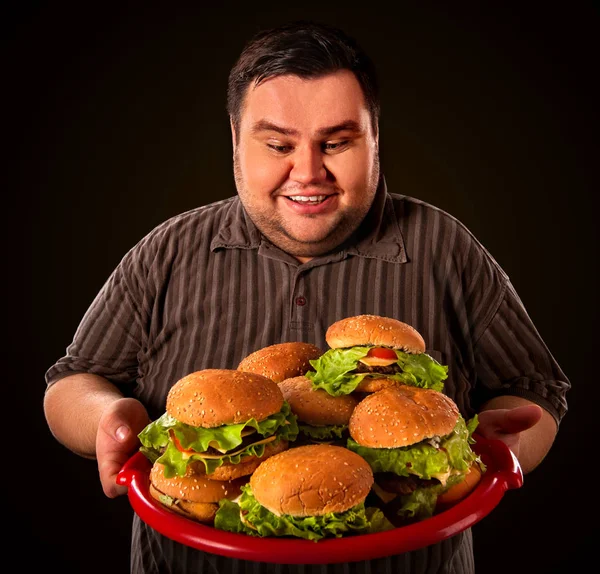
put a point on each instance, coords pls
(402, 416)
(215, 397)
(318, 479)
(316, 406)
(374, 330)
(281, 361)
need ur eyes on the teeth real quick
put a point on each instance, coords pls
(305, 199)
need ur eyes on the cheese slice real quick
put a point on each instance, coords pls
(377, 362)
(245, 522)
(383, 494)
(443, 476)
(245, 432)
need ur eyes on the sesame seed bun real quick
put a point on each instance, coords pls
(402, 416)
(374, 330)
(318, 479)
(215, 397)
(281, 361)
(316, 406)
(194, 496)
(246, 466)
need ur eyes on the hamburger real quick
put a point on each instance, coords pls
(281, 361)
(369, 352)
(418, 446)
(194, 496)
(221, 423)
(320, 416)
(311, 492)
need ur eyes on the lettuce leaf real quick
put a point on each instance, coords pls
(333, 371)
(422, 459)
(334, 524)
(418, 505)
(157, 445)
(328, 432)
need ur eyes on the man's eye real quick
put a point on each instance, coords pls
(279, 148)
(335, 146)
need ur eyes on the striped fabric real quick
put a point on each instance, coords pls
(204, 289)
(152, 552)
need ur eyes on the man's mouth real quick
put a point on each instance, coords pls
(307, 200)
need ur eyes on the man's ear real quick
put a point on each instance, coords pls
(233, 134)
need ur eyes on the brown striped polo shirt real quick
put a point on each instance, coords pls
(205, 288)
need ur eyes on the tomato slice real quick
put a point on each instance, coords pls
(178, 445)
(460, 490)
(382, 353)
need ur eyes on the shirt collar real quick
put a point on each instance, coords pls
(378, 237)
(237, 229)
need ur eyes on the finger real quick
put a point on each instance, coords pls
(522, 418)
(117, 440)
(510, 421)
(108, 469)
(113, 449)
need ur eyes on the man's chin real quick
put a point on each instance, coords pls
(307, 245)
(307, 238)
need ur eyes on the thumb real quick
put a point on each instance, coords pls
(125, 420)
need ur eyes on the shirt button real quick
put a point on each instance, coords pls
(300, 301)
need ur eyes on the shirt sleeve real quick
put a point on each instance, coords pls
(512, 359)
(111, 334)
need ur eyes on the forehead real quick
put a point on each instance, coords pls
(306, 103)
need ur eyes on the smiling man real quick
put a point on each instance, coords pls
(306, 161)
(312, 237)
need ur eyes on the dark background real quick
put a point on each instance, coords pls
(116, 120)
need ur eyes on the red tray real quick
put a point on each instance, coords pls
(503, 473)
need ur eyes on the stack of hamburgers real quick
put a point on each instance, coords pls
(411, 434)
(300, 442)
(219, 425)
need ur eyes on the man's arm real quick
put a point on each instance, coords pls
(90, 416)
(526, 428)
(73, 407)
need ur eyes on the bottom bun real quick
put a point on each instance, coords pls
(374, 384)
(194, 487)
(193, 496)
(200, 511)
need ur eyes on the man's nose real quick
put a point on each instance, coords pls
(308, 165)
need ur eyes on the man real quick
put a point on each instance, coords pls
(312, 237)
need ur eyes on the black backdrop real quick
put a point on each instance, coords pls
(116, 121)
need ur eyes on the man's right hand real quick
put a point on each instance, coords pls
(117, 440)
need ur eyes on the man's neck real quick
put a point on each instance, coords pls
(302, 259)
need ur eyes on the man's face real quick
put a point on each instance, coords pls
(306, 161)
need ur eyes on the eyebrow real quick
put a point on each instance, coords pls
(265, 125)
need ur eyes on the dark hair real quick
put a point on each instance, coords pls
(306, 49)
